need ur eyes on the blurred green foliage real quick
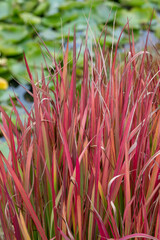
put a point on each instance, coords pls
(53, 18)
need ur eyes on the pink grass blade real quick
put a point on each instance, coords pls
(71, 186)
(25, 199)
(91, 219)
(8, 120)
(64, 83)
(93, 114)
(23, 227)
(73, 78)
(24, 108)
(82, 129)
(157, 228)
(27, 66)
(84, 87)
(126, 100)
(127, 191)
(12, 209)
(115, 56)
(17, 114)
(35, 97)
(78, 200)
(46, 144)
(66, 148)
(151, 197)
(13, 150)
(101, 226)
(138, 235)
(28, 168)
(153, 178)
(54, 191)
(122, 151)
(63, 235)
(102, 195)
(4, 225)
(97, 162)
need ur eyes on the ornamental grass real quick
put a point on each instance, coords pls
(85, 162)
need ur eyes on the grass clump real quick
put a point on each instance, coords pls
(85, 164)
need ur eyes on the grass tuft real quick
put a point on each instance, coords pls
(85, 163)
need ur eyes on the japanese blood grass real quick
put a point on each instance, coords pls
(85, 165)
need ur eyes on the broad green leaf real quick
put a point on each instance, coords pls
(10, 49)
(53, 9)
(155, 26)
(29, 18)
(156, 3)
(73, 4)
(112, 5)
(3, 67)
(68, 5)
(34, 54)
(133, 3)
(157, 30)
(18, 70)
(15, 20)
(135, 16)
(3, 61)
(52, 21)
(81, 25)
(109, 40)
(58, 19)
(143, 15)
(28, 6)
(13, 33)
(103, 14)
(3, 70)
(41, 8)
(6, 10)
(5, 95)
(123, 15)
(55, 3)
(4, 148)
(48, 34)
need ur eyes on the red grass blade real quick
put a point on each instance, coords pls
(138, 235)
(64, 139)
(25, 198)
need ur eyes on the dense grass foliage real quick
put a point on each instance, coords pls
(85, 164)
